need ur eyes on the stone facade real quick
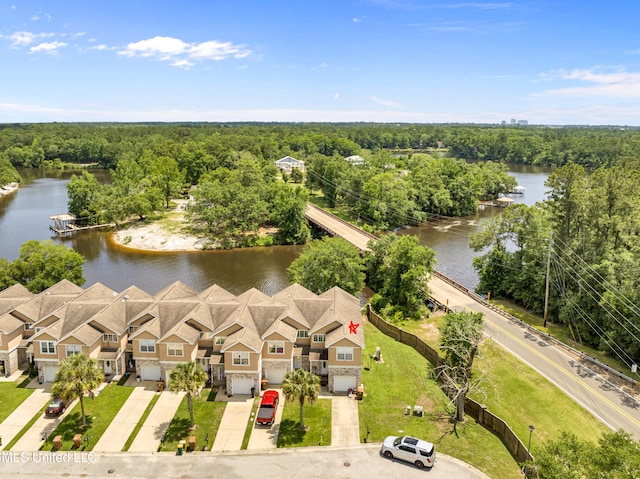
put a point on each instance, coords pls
(233, 376)
(11, 361)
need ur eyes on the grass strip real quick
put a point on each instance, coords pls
(317, 421)
(11, 396)
(251, 424)
(207, 415)
(25, 428)
(143, 418)
(99, 413)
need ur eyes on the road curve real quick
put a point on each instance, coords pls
(614, 406)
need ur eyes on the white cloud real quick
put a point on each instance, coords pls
(182, 54)
(35, 18)
(615, 84)
(100, 47)
(21, 38)
(336, 95)
(214, 50)
(51, 48)
(160, 47)
(387, 103)
(321, 66)
(356, 20)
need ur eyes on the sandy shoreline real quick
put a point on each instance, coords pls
(156, 237)
(10, 188)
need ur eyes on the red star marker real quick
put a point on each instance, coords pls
(353, 327)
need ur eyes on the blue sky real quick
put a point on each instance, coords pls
(548, 62)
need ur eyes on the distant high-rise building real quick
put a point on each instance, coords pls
(523, 122)
(513, 121)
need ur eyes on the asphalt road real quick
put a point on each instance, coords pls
(616, 406)
(304, 463)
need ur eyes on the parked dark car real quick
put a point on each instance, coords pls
(55, 407)
(268, 407)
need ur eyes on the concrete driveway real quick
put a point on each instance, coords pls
(116, 435)
(266, 437)
(234, 422)
(345, 427)
(14, 423)
(150, 434)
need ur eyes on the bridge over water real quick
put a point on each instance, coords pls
(609, 395)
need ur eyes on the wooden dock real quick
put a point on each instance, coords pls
(64, 224)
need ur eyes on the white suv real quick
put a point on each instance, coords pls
(419, 452)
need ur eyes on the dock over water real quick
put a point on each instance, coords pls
(64, 224)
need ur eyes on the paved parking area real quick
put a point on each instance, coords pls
(156, 424)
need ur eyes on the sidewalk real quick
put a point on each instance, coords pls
(151, 432)
(14, 423)
(345, 427)
(116, 435)
(234, 422)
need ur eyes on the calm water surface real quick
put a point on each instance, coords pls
(25, 215)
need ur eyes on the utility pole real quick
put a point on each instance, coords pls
(546, 292)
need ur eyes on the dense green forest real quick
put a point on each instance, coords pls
(587, 233)
(399, 177)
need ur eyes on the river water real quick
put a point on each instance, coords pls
(24, 215)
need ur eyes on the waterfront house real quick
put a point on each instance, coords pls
(289, 163)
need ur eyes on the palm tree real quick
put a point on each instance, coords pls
(188, 377)
(301, 385)
(78, 376)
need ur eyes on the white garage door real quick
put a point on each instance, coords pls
(50, 373)
(150, 373)
(242, 386)
(344, 383)
(275, 376)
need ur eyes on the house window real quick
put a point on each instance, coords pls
(132, 329)
(344, 354)
(147, 346)
(73, 349)
(303, 333)
(240, 358)
(175, 349)
(38, 329)
(28, 326)
(47, 347)
(318, 338)
(220, 340)
(110, 338)
(276, 347)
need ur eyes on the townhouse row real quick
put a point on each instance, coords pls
(239, 340)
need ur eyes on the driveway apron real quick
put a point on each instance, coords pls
(14, 423)
(156, 424)
(345, 428)
(233, 424)
(116, 435)
(32, 439)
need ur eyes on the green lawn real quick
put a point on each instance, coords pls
(99, 411)
(518, 394)
(11, 396)
(207, 414)
(317, 421)
(402, 380)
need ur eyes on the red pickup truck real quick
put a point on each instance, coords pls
(268, 407)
